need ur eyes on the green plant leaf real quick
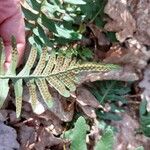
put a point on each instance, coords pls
(106, 141)
(110, 92)
(78, 135)
(4, 88)
(34, 4)
(2, 57)
(18, 88)
(144, 118)
(76, 2)
(46, 73)
(140, 148)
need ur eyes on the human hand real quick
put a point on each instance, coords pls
(12, 24)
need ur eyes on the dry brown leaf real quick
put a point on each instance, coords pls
(87, 102)
(126, 137)
(124, 74)
(135, 54)
(46, 140)
(88, 111)
(142, 16)
(86, 98)
(122, 21)
(132, 57)
(27, 136)
(63, 108)
(51, 121)
(99, 35)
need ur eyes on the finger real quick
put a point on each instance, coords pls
(13, 25)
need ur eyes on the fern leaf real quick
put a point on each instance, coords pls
(73, 77)
(14, 58)
(59, 63)
(140, 148)
(41, 83)
(66, 63)
(18, 88)
(92, 67)
(67, 82)
(58, 85)
(2, 57)
(106, 141)
(73, 62)
(4, 88)
(34, 4)
(30, 15)
(41, 64)
(50, 64)
(30, 62)
(59, 72)
(78, 135)
(32, 93)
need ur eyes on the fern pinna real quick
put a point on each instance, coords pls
(62, 73)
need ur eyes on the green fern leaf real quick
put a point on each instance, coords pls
(30, 62)
(34, 3)
(144, 118)
(106, 142)
(59, 63)
(32, 93)
(2, 57)
(4, 88)
(63, 79)
(110, 92)
(78, 135)
(41, 83)
(140, 148)
(58, 85)
(41, 64)
(18, 88)
(50, 64)
(67, 82)
(14, 59)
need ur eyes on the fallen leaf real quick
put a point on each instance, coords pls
(27, 136)
(87, 102)
(124, 74)
(121, 20)
(142, 15)
(133, 54)
(126, 137)
(63, 108)
(51, 121)
(99, 35)
(46, 140)
(86, 98)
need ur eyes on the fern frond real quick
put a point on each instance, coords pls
(43, 15)
(32, 93)
(77, 135)
(18, 88)
(59, 72)
(2, 57)
(106, 142)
